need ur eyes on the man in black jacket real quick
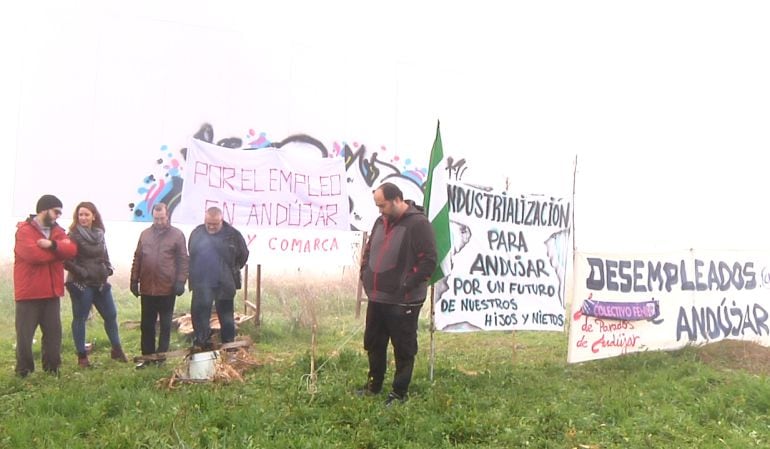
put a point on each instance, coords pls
(218, 251)
(398, 260)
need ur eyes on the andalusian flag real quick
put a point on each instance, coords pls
(437, 207)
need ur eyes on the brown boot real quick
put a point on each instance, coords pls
(83, 360)
(118, 354)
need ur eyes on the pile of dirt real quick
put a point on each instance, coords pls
(737, 354)
(229, 366)
(229, 362)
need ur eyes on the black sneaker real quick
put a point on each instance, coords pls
(395, 398)
(367, 390)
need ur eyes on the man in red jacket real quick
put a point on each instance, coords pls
(41, 248)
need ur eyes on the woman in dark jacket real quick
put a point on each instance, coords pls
(87, 281)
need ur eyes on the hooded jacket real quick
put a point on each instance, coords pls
(39, 273)
(399, 258)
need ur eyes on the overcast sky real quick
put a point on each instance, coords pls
(666, 104)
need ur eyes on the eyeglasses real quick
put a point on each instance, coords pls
(56, 211)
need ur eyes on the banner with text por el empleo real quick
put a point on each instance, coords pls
(508, 262)
(625, 303)
(285, 205)
(266, 188)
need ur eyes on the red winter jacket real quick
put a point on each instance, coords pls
(39, 273)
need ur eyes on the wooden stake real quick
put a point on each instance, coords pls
(246, 290)
(258, 316)
(360, 288)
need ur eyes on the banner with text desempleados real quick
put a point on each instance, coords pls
(626, 303)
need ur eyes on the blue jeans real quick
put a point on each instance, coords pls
(200, 309)
(82, 300)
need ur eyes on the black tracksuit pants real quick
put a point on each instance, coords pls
(398, 324)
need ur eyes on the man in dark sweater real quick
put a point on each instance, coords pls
(218, 251)
(398, 260)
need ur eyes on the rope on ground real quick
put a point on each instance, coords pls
(311, 383)
(310, 380)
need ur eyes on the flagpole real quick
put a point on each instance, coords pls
(437, 210)
(432, 332)
(574, 183)
(574, 246)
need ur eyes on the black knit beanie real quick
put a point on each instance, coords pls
(47, 202)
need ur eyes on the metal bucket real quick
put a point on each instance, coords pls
(203, 365)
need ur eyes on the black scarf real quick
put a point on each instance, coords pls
(94, 236)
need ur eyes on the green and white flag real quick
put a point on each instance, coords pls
(437, 207)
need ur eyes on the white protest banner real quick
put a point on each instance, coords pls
(509, 258)
(317, 247)
(626, 303)
(266, 188)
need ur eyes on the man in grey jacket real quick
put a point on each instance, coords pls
(398, 260)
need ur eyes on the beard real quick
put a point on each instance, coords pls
(47, 220)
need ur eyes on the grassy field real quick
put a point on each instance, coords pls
(491, 390)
